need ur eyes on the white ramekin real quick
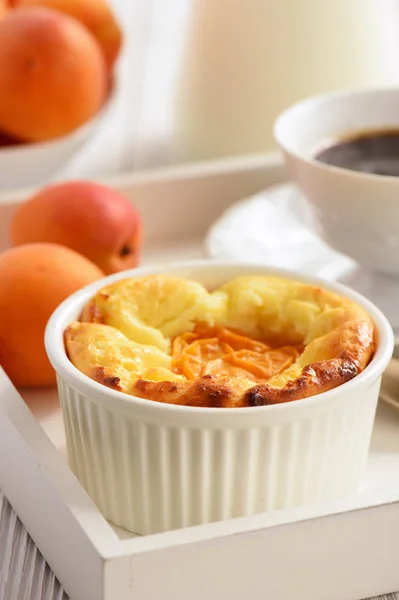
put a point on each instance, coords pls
(152, 467)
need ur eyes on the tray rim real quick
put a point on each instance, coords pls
(109, 561)
(114, 565)
(271, 162)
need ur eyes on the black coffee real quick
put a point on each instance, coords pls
(373, 151)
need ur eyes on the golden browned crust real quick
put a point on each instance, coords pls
(354, 350)
(99, 374)
(208, 391)
(92, 314)
(128, 349)
(314, 379)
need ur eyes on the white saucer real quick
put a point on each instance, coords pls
(276, 227)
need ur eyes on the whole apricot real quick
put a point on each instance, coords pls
(3, 8)
(53, 76)
(96, 15)
(91, 218)
(34, 279)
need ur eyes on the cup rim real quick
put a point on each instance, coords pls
(331, 96)
(100, 394)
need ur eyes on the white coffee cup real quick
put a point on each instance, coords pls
(358, 213)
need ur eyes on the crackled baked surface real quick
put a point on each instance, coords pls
(254, 341)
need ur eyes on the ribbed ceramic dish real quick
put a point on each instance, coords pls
(152, 467)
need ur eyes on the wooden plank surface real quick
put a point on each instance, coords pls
(24, 574)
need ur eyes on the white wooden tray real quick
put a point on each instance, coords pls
(346, 550)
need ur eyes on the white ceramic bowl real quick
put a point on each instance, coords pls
(358, 213)
(35, 163)
(152, 467)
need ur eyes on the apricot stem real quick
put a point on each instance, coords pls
(126, 250)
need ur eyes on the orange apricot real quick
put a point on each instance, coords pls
(53, 76)
(96, 15)
(35, 279)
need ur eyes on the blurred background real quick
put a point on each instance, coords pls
(201, 79)
(195, 80)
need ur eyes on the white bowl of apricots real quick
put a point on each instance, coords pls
(58, 61)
